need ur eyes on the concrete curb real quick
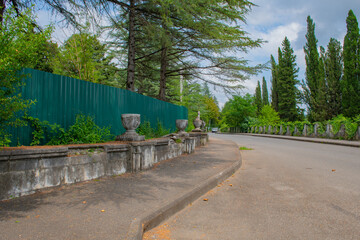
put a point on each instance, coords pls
(150, 220)
(306, 139)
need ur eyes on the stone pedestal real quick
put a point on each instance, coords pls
(130, 122)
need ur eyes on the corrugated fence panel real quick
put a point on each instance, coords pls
(59, 99)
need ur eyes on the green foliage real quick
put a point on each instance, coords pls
(321, 129)
(19, 47)
(274, 87)
(333, 70)
(84, 130)
(314, 88)
(245, 148)
(196, 98)
(287, 82)
(350, 125)
(268, 116)
(224, 128)
(83, 56)
(38, 127)
(351, 83)
(149, 132)
(238, 110)
(265, 95)
(258, 99)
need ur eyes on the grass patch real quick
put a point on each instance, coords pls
(245, 148)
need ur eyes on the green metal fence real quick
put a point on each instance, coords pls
(59, 99)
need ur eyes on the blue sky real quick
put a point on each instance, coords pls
(272, 20)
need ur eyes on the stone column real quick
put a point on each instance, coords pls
(304, 132)
(357, 135)
(288, 131)
(329, 132)
(316, 126)
(341, 133)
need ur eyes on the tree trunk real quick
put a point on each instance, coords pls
(163, 68)
(130, 81)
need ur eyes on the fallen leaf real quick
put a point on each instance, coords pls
(84, 202)
(205, 199)
(230, 185)
(103, 210)
(37, 216)
(17, 221)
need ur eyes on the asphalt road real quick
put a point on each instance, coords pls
(284, 190)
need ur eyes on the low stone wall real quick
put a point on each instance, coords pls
(23, 171)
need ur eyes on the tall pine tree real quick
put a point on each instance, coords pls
(314, 94)
(274, 91)
(351, 79)
(258, 100)
(265, 95)
(287, 81)
(333, 70)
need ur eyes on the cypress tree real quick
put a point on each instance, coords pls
(333, 70)
(265, 95)
(287, 91)
(321, 101)
(274, 92)
(313, 94)
(258, 101)
(350, 83)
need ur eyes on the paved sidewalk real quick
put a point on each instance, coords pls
(104, 208)
(308, 139)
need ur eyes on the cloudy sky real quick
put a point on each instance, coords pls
(272, 20)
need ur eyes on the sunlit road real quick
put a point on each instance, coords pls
(284, 190)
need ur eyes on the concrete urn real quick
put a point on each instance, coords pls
(197, 124)
(130, 122)
(181, 124)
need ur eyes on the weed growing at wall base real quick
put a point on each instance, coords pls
(148, 131)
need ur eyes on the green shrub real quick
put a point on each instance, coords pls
(84, 130)
(321, 128)
(149, 132)
(224, 128)
(39, 128)
(350, 125)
